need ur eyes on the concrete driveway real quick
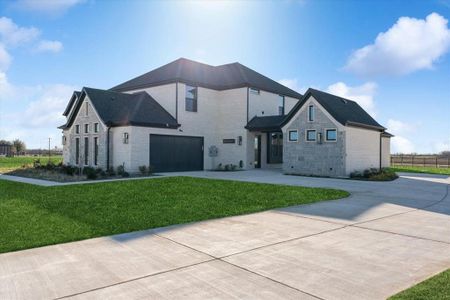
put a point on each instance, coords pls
(381, 240)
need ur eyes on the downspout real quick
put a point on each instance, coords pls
(247, 102)
(107, 147)
(381, 134)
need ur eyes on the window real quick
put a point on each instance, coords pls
(64, 139)
(310, 135)
(77, 129)
(191, 98)
(86, 108)
(311, 113)
(281, 105)
(77, 151)
(125, 137)
(86, 128)
(331, 134)
(293, 136)
(254, 91)
(95, 150)
(86, 151)
(95, 127)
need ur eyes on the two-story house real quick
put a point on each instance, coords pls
(192, 116)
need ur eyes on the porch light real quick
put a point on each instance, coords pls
(125, 137)
(240, 140)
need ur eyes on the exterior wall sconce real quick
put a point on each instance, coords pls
(240, 140)
(319, 138)
(125, 137)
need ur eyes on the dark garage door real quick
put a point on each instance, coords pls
(170, 153)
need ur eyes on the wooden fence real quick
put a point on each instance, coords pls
(435, 161)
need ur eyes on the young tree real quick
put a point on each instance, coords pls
(19, 145)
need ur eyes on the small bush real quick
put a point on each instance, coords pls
(111, 171)
(50, 166)
(90, 172)
(150, 170)
(68, 169)
(125, 174)
(227, 167)
(143, 170)
(233, 167)
(373, 174)
(120, 170)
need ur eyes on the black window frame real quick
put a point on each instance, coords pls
(95, 150)
(326, 135)
(96, 127)
(86, 151)
(311, 113)
(307, 135)
(77, 129)
(289, 135)
(191, 104)
(281, 108)
(86, 128)
(77, 151)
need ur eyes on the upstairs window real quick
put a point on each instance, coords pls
(281, 105)
(191, 98)
(254, 91)
(86, 128)
(77, 129)
(95, 127)
(311, 113)
(64, 139)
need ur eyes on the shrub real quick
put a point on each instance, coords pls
(111, 171)
(143, 170)
(50, 166)
(120, 170)
(125, 174)
(233, 167)
(373, 174)
(227, 167)
(98, 170)
(68, 169)
(90, 172)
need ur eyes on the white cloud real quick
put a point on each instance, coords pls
(5, 59)
(293, 84)
(441, 146)
(362, 94)
(409, 45)
(49, 46)
(12, 35)
(399, 127)
(401, 144)
(47, 6)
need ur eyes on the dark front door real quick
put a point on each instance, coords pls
(170, 153)
(274, 148)
(258, 151)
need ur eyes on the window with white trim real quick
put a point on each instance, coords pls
(191, 98)
(95, 127)
(311, 113)
(281, 105)
(331, 135)
(293, 135)
(311, 135)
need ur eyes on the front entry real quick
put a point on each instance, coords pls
(257, 152)
(274, 147)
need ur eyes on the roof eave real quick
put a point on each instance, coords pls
(366, 126)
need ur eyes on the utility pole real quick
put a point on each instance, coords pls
(49, 149)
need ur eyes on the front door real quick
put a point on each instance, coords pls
(275, 148)
(258, 151)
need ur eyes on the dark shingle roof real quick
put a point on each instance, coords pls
(345, 111)
(267, 123)
(221, 77)
(75, 96)
(119, 109)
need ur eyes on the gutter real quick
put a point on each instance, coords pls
(107, 147)
(381, 140)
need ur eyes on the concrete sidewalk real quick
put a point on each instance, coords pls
(381, 240)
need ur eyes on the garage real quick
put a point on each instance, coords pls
(172, 153)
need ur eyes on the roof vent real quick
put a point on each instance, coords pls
(344, 101)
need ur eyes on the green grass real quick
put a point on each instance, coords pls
(429, 170)
(32, 216)
(435, 288)
(8, 164)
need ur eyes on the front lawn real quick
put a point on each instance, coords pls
(8, 164)
(32, 216)
(415, 169)
(437, 287)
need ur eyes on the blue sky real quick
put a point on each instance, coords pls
(390, 56)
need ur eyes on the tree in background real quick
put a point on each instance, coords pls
(19, 146)
(4, 142)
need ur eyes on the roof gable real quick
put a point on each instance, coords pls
(120, 109)
(75, 96)
(345, 111)
(221, 77)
